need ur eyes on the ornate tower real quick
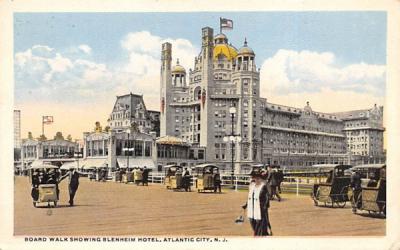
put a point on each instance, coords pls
(207, 80)
(166, 115)
(247, 79)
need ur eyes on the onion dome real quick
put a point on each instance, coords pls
(220, 38)
(223, 48)
(178, 68)
(245, 50)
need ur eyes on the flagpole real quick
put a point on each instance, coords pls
(220, 26)
(43, 125)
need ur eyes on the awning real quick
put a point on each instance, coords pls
(18, 166)
(71, 164)
(89, 163)
(171, 140)
(36, 163)
(135, 162)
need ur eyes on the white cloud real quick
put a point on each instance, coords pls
(70, 76)
(85, 48)
(145, 50)
(59, 63)
(307, 72)
(56, 77)
(290, 76)
(142, 68)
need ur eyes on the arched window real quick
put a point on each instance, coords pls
(197, 93)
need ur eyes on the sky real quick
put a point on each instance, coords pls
(73, 65)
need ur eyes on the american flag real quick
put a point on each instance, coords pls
(47, 119)
(226, 23)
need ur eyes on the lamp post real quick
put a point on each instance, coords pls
(232, 137)
(128, 148)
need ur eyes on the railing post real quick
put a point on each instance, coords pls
(236, 185)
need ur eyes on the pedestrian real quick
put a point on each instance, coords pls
(145, 176)
(186, 180)
(217, 181)
(273, 183)
(355, 184)
(257, 205)
(280, 180)
(73, 183)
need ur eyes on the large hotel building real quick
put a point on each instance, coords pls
(196, 106)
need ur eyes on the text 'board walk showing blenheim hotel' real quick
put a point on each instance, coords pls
(199, 106)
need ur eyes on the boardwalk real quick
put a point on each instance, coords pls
(120, 209)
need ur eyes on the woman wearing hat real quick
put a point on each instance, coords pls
(257, 205)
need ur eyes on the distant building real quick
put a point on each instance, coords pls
(301, 137)
(17, 139)
(129, 138)
(56, 151)
(173, 150)
(114, 149)
(17, 129)
(364, 134)
(131, 110)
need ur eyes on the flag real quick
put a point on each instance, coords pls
(226, 23)
(47, 119)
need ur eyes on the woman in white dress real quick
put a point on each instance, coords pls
(257, 205)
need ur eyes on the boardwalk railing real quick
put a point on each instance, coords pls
(290, 184)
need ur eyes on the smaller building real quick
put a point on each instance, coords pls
(116, 149)
(173, 150)
(364, 134)
(56, 151)
(17, 139)
(131, 110)
(17, 129)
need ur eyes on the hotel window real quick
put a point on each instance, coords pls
(147, 149)
(138, 147)
(200, 154)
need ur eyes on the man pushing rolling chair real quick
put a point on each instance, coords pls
(73, 183)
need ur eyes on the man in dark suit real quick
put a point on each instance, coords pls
(145, 176)
(73, 183)
(186, 180)
(280, 177)
(355, 184)
(273, 182)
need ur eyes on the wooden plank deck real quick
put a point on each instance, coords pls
(126, 209)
